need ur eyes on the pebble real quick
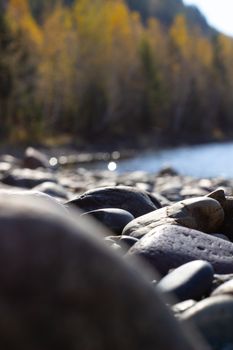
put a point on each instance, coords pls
(53, 189)
(192, 280)
(179, 308)
(62, 288)
(27, 178)
(69, 277)
(220, 279)
(203, 214)
(34, 159)
(227, 205)
(168, 247)
(125, 242)
(213, 317)
(225, 288)
(135, 201)
(114, 219)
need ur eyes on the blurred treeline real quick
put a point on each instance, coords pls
(97, 69)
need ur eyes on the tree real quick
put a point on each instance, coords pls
(24, 51)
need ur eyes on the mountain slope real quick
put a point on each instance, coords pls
(164, 10)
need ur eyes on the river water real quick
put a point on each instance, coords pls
(211, 160)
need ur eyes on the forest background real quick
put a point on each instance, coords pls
(150, 71)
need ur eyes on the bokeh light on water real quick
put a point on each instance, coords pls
(112, 166)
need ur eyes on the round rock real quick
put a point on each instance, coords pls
(213, 317)
(114, 219)
(61, 288)
(189, 281)
(131, 199)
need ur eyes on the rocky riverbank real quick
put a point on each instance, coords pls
(95, 260)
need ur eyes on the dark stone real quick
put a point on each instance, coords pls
(27, 178)
(128, 241)
(169, 246)
(201, 213)
(190, 281)
(34, 159)
(131, 199)
(167, 171)
(61, 288)
(114, 219)
(52, 189)
(213, 317)
(227, 205)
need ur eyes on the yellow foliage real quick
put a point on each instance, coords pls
(180, 36)
(20, 19)
(203, 51)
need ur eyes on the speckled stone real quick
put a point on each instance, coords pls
(169, 246)
(202, 213)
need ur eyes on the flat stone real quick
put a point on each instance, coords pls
(131, 199)
(58, 277)
(168, 247)
(190, 281)
(213, 317)
(114, 219)
(201, 213)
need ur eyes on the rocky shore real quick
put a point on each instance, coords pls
(96, 260)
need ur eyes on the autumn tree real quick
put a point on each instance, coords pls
(57, 70)
(23, 66)
(5, 73)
